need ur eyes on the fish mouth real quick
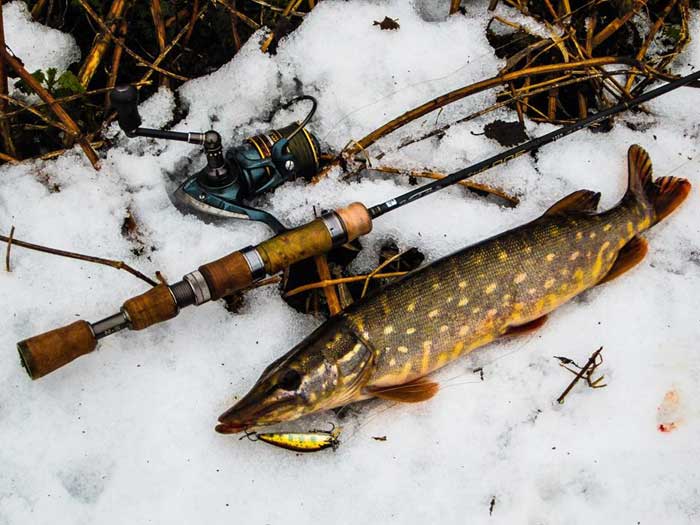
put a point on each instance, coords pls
(230, 422)
(247, 414)
(232, 428)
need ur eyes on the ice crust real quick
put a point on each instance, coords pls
(125, 435)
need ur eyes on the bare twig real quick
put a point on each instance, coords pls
(650, 38)
(454, 6)
(616, 24)
(34, 111)
(514, 201)
(243, 18)
(329, 291)
(157, 15)
(5, 157)
(472, 89)
(193, 20)
(116, 62)
(585, 371)
(55, 106)
(62, 100)
(119, 265)
(522, 94)
(37, 9)
(234, 28)
(9, 247)
(120, 42)
(57, 153)
(174, 42)
(376, 271)
(341, 280)
(277, 9)
(97, 53)
(4, 125)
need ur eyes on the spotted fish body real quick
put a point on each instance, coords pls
(383, 345)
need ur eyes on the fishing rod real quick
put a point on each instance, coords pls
(51, 350)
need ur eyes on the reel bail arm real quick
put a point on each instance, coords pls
(49, 351)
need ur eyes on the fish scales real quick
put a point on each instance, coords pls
(470, 298)
(385, 344)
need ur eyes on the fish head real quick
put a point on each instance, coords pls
(324, 371)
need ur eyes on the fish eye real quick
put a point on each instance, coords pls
(290, 380)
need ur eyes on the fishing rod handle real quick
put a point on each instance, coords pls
(240, 269)
(46, 352)
(51, 350)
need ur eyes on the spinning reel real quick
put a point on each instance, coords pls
(260, 164)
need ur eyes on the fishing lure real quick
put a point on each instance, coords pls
(311, 441)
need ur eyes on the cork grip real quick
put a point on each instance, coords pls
(226, 275)
(47, 352)
(356, 220)
(154, 306)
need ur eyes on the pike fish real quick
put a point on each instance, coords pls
(386, 345)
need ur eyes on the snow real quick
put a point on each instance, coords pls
(126, 434)
(37, 45)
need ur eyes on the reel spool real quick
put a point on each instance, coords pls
(257, 166)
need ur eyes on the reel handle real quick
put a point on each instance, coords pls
(124, 100)
(51, 350)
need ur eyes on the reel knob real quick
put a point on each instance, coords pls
(124, 100)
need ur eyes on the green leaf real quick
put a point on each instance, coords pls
(24, 87)
(51, 78)
(70, 82)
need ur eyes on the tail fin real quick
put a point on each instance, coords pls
(664, 194)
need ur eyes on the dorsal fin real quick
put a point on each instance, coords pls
(639, 170)
(418, 390)
(584, 201)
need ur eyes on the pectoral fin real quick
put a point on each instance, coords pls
(629, 256)
(581, 201)
(527, 327)
(419, 390)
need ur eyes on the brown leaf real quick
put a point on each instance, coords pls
(388, 24)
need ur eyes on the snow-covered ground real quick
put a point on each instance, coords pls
(125, 435)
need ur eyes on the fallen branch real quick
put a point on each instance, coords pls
(55, 106)
(119, 265)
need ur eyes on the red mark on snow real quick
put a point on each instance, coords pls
(668, 414)
(668, 427)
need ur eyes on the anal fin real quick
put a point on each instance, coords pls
(629, 256)
(527, 327)
(418, 390)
